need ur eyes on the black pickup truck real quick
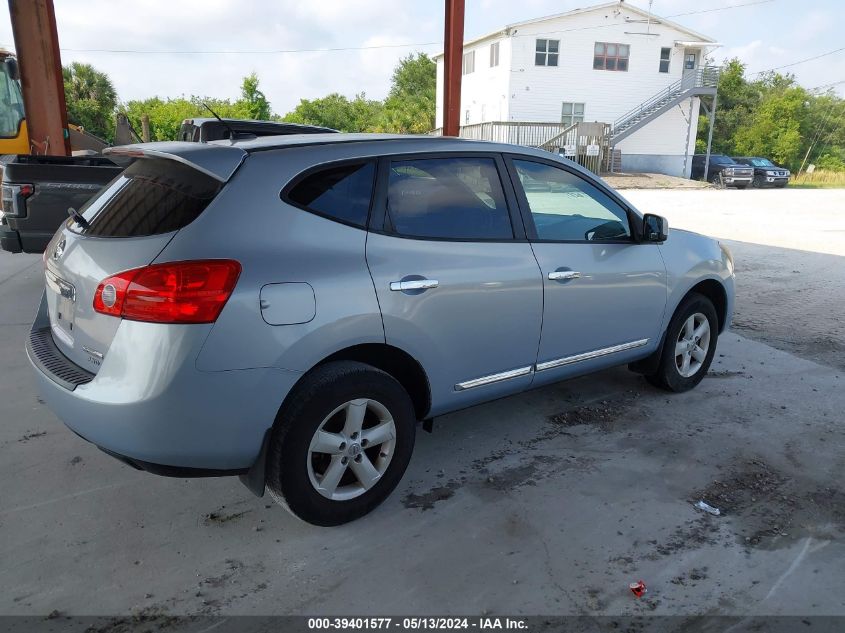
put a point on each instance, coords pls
(37, 191)
(722, 170)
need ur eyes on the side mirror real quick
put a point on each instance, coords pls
(655, 228)
(12, 69)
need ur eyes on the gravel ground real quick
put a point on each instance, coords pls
(549, 502)
(789, 247)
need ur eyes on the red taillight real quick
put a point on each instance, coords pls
(176, 292)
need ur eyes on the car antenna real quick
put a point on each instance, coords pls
(232, 133)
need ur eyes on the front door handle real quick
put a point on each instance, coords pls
(560, 275)
(414, 284)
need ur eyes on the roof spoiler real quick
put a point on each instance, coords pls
(218, 161)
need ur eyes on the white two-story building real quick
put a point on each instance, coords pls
(612, 63)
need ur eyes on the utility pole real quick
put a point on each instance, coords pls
(453, 54)
(145, 128)
(37, 49)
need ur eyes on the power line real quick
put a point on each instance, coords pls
(801, 61)
(826, 86)
(734, 6)
(363, 48)
(252, 52)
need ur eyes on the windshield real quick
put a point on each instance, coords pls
(722, 160)
(11, 105)
(762, 162)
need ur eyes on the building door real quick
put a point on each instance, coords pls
(691, 56)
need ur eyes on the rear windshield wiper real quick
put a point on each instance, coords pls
(77, 217)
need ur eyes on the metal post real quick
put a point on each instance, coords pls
(710, 136)
(453, 54)
(145, 128)
(689, 132)
(37, 48)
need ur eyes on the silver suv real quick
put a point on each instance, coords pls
(287, 308)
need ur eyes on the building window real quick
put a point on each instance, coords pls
(665, 54)
(689, 61)
(494, 54)
(469, 63)
(466, 117)
(546, 52)
(572, 113)
(609, 56)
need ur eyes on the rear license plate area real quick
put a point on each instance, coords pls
(65, 301)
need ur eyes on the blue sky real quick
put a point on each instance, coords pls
(765, 35)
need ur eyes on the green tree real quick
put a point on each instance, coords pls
(737, 99)
(166, 115)
(253, 100)
(410, 104)
(336, 111)
(91, 99)
(774, 130)
(772, 116)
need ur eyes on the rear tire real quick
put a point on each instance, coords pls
(689, 345)
(320, 463)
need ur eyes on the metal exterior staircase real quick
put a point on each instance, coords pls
(702, 81)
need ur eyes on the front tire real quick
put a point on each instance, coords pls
(689, 345)
(758, 182)
(341, 443)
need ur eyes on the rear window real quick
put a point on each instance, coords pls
(152, 196)
(342, 193)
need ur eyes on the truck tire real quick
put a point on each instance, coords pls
(341, 443)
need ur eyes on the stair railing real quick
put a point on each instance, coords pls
(706, 77)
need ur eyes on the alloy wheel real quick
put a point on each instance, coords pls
(692, 345)
(351, 449)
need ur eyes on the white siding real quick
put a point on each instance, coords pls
(483, 92)
(520, 91)
(666, 135)
(538, 91)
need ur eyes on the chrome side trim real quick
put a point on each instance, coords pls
(577, 358)
(488, 380)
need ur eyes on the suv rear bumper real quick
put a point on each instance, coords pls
(149, 406)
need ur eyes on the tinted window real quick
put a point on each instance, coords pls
(150, 197)
(341, 193)
(458, 198)
(566, 207)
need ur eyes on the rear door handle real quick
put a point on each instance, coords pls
(559, 275)
(414, 284)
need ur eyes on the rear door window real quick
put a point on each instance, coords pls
(342, 192)
(447, 198)
(151, 197)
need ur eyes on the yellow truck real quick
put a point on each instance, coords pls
(14, 138)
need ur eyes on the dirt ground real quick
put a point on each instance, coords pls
(651, 181)
(548, 503)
